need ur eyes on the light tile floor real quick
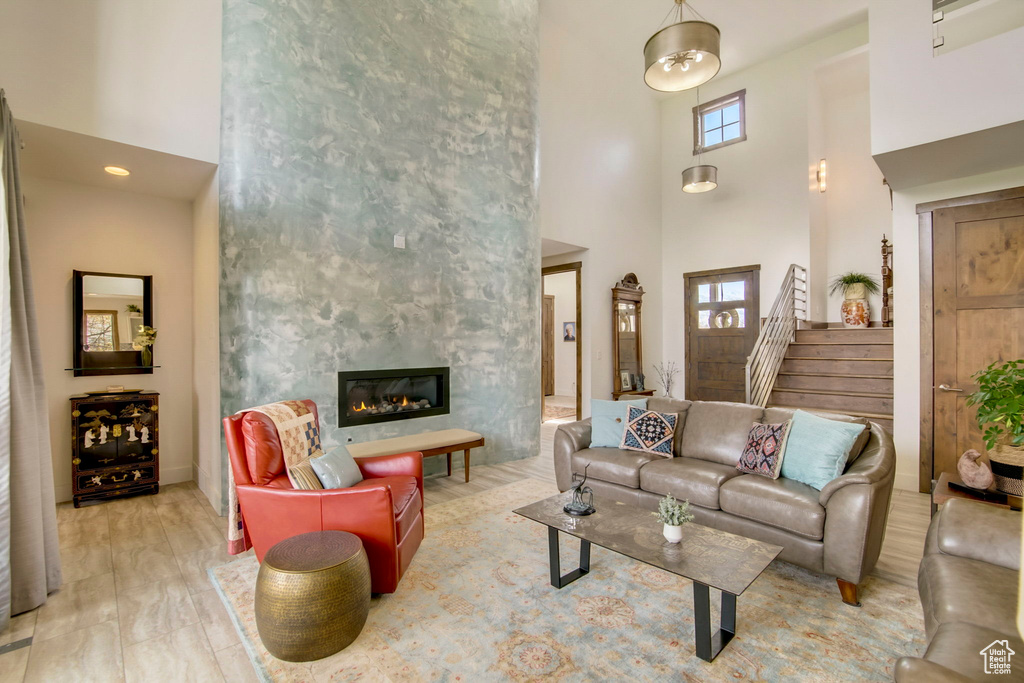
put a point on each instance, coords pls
(137, 604)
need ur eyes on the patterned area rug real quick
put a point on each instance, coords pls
(558, 412)
(476, 605)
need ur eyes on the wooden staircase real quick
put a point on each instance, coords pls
(838, 371)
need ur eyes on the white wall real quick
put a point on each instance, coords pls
(563, 287)
(206, 411)
(907, 350)
(857, 207)
(917, 98)
(761, 211)
(75, 227)
(600, 153)
(142, 72)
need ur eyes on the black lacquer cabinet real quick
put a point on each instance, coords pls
(115, 445)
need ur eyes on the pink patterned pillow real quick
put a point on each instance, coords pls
(766, 444)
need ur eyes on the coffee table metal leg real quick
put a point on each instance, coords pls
(709, 646)
(557, 580)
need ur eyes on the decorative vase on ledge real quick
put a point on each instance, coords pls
(147, 355)
(855, 310)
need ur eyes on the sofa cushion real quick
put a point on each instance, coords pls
(818, 448)
(956, 589)
(697, 481)
(782, 503)
(612, 465)
(649, 431)
(717, 431)
(608, 421)
(781, 414)
(763, 453)
(663, 404)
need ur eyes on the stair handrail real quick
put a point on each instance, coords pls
(777, 332)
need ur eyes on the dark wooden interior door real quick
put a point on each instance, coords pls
(978, 299)
(547, 353)
(723, 310)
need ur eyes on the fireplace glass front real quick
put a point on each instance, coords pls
(369, 396)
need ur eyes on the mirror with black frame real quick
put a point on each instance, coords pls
(110, 311)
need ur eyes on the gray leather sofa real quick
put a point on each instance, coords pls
(836, 531)
(968, 582)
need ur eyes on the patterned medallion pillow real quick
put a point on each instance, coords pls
(649, 431)
(766, 444)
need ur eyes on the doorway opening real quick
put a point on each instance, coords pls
(561, 343)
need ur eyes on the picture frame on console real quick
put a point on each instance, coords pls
(626, 380)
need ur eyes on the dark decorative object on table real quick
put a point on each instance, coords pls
(582, 497)
(974, 473)
(640, 382)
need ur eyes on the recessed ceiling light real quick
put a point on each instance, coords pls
(116, 170)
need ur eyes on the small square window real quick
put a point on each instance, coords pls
(719, 122)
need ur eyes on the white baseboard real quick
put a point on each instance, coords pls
(906, 481)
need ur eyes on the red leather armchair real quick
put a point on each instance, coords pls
(385, 510)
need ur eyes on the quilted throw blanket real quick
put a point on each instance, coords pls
(300, 438)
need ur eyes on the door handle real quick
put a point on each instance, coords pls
(946, 387)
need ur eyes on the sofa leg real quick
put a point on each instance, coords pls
(849, 592)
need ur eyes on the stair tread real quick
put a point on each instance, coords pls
(853, 413)
(875, 360)
(841, 343)
(827, 392)
(832, 374)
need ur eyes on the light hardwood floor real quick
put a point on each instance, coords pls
(137, 604)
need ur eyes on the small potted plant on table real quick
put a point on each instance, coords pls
(673, 515)
(1000, 401)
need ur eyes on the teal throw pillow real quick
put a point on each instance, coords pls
(817, 448)
(337, 469)
(608, 421)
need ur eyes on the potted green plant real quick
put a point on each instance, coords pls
(673, 515)
(1000, 401)
(856, 312)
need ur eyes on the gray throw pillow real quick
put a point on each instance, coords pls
(337, 469)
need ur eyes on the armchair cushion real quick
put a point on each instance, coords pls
(405, 499)
(303, 476)
(980, 532)
(337, 469)
(955, 589)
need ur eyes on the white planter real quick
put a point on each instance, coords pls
(673, 534)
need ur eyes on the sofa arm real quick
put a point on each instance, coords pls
(876, 462)
(916, 670)
(979, 532)
(856, 509)
(571, 437)
(401, 464)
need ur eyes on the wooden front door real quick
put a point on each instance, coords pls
(723, 309)
(978, 298)
(547, 353)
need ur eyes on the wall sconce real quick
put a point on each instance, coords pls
(822, 176)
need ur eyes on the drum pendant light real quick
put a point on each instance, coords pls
(683, 55)
(700, 178)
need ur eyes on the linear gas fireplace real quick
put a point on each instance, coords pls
(368, 396)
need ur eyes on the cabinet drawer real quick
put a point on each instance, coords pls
(115, 479)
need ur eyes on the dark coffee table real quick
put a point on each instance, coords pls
(708, 557)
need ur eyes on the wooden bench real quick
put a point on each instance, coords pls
(444, 442)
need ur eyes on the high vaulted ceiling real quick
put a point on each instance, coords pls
(752, 30)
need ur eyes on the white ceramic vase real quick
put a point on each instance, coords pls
(673, 534)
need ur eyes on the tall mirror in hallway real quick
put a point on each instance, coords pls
(627, 339)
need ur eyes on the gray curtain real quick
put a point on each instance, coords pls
(29, 550)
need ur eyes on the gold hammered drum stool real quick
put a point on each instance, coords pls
(312, 595)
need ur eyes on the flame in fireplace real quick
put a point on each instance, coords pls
(405, 401)
(362, 406)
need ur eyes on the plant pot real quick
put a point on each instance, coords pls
(855, 313)
(673, 534)
(855, 291)
(1008, 468)
(147, 355)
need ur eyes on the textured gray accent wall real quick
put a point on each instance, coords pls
(346, 122)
